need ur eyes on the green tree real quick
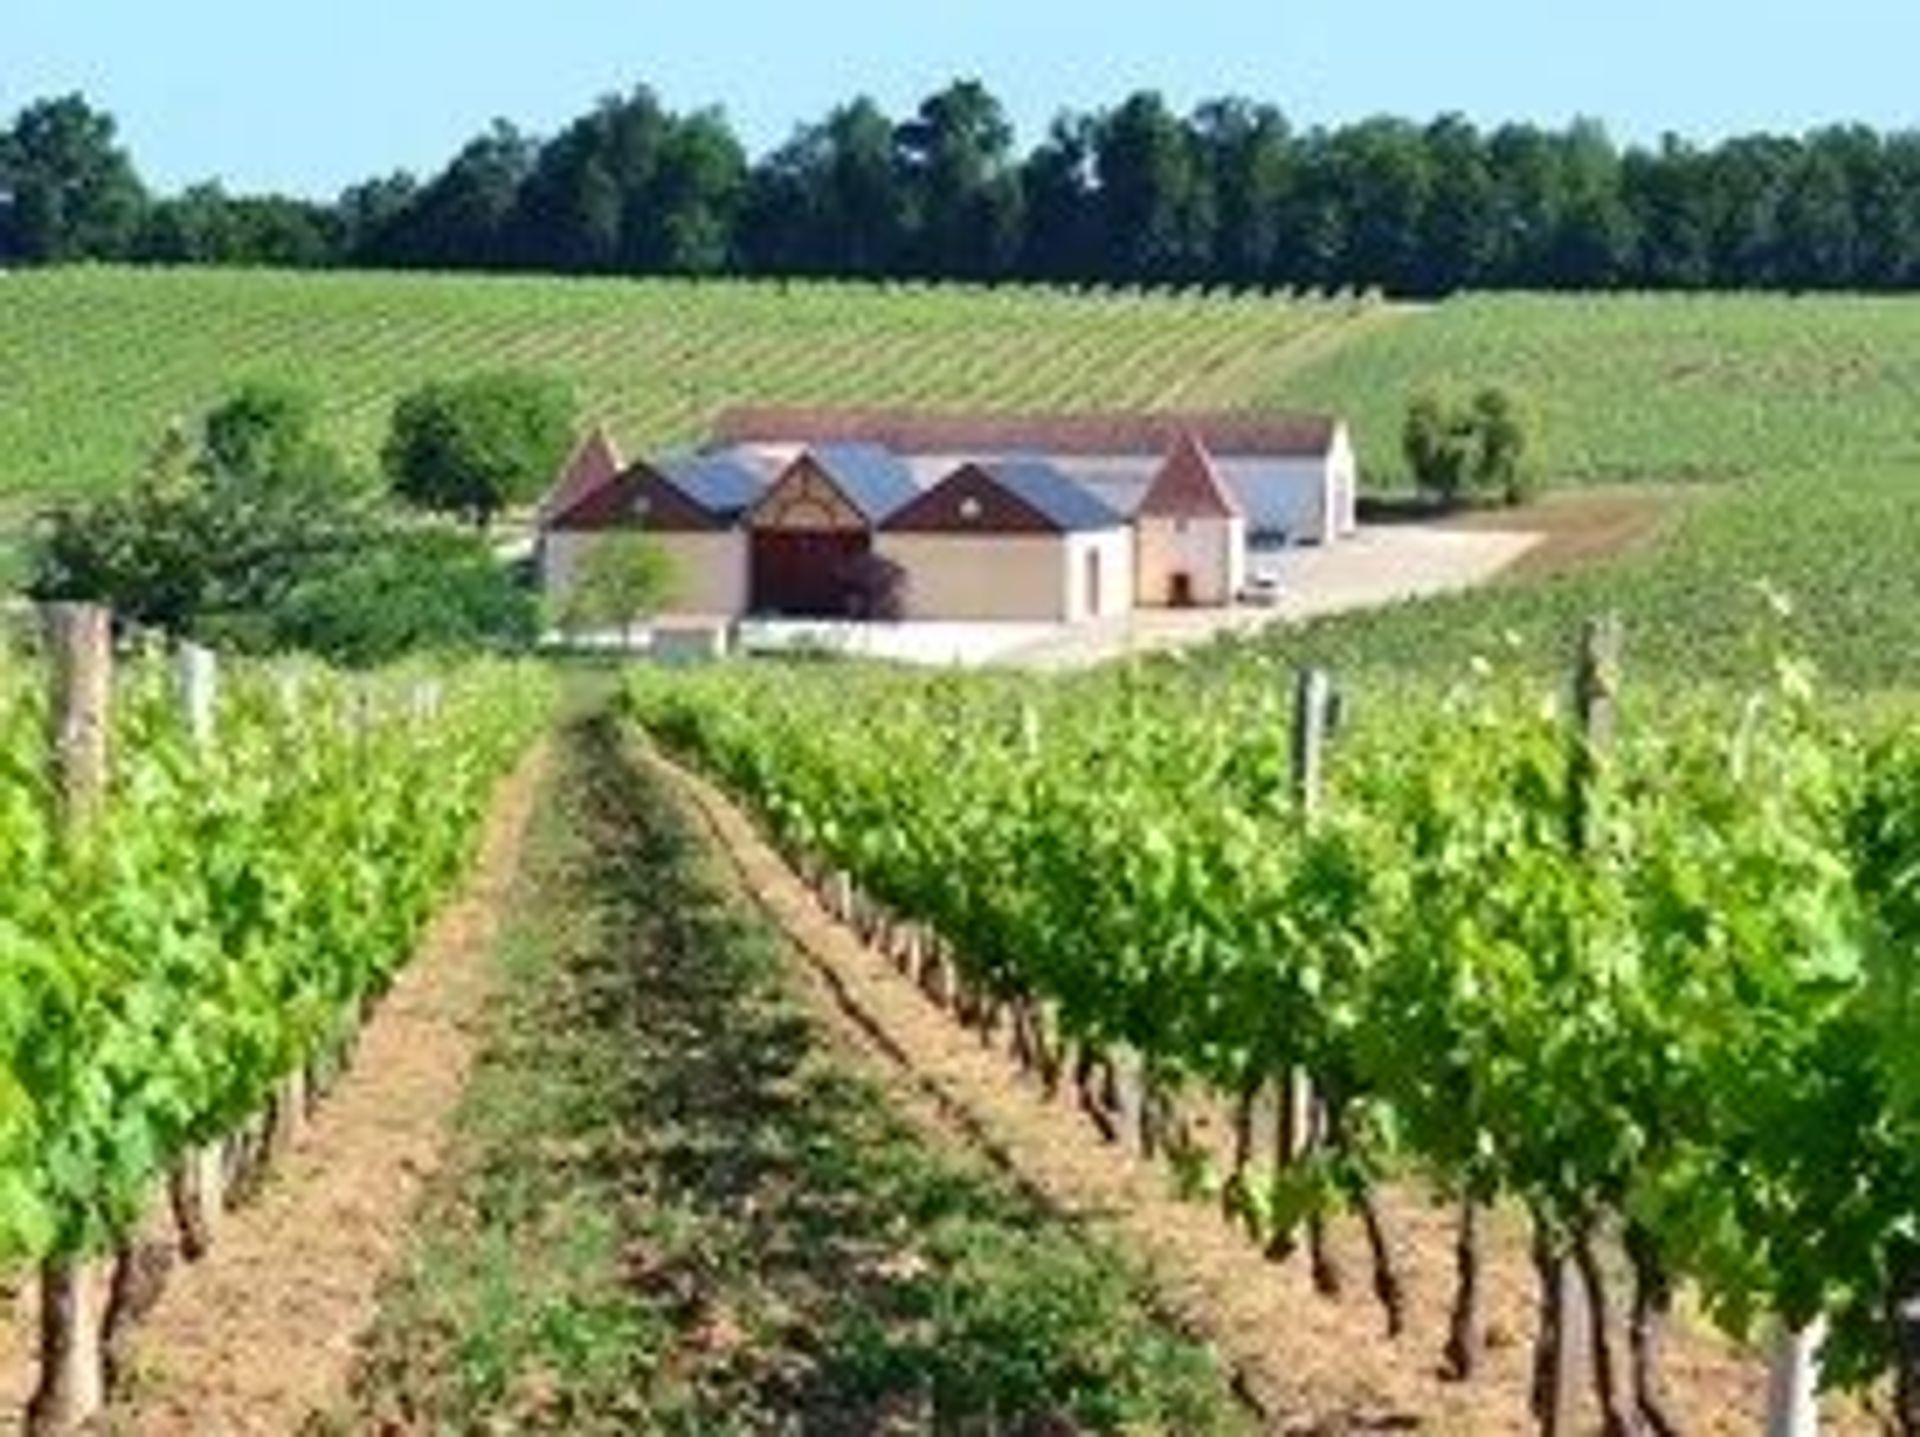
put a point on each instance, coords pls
(1456, 241)
(1248, 153)
(224, 527)
(67, 189)
(1437, 449)
(698, 191)
(1499, 427)
(1156, 206)
(1379, 169)
(962, 192)
(192, 227)
(1062, 239)
(366, 215)
(1476, 447)
(262, 429)
(405, 591)
(260, 537)
(472, 447)
(622, 578)
(460, 219)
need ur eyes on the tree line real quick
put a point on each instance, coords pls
(1232, 194)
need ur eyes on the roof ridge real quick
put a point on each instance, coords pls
(1188, 484)
(593, 463)
(1085, 432)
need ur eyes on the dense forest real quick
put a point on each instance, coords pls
(1232, 194)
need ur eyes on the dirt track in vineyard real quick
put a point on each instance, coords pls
(261, 1332)
(1310, 1364)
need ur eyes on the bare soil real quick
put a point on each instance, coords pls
(1304, 1362)
(261, 1331)
(1581, 527)
(675, 1202)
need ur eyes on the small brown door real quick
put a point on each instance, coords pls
(1180, 590)
(1093, 583)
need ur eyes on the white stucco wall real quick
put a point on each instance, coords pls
(709, 568)
(980, 576)
(1211, 551)
(1343, 470)
(1115, 548)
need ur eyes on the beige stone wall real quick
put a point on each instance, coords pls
(709, 568)
(1212, 552)
(984, 577)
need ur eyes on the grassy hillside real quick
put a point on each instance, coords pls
(95, 362)
(1635, 387)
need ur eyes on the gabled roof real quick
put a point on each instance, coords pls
(922, 432)
(1056, 496)
(1014, 496)
(725, 485)
(698, 491)
(1188, 486)
(594, 464)
(872, 478)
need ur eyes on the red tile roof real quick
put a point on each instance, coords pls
(1188, 486)
(593, 465)
(920, 432)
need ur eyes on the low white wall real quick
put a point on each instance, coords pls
(983, 577)
(1343, 467)
(1115, 548)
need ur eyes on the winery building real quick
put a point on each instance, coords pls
(1001, 517)
(1011, 539)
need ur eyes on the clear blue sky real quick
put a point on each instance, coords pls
(307, 97)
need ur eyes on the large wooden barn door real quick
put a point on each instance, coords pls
(803, 572)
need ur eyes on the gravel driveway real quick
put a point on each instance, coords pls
(1378, 566)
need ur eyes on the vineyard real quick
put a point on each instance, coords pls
(94, 363)
(1641, 970)
(210, 876)
(1647, 387)
(1631, 969)
(1821, 559)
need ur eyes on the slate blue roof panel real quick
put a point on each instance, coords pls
(725, 485)
(875, 480)
(1054, 494)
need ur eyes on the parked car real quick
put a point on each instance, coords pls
(1262, 589)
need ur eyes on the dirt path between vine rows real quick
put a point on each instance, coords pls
(262, 1332)
(1310, 1365)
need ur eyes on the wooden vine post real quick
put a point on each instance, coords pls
(1793, 1382)
(1312, 723)
(1570, 1317)
(1295, 1125)
(197, 1185)
(74, 1288)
